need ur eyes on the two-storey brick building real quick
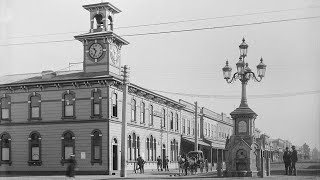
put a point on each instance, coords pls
(44, 118)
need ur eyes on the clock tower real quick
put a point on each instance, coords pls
(101, 46)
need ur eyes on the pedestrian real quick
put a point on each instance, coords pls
(294, 160)
(166, 164)
(181, 161)
(186, 166)
(159, 163)
(206, 165)
(201, 164)
(141, 164)
(287, 160)
(71, 166)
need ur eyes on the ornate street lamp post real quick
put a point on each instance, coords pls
(242, 149)
(244, 73)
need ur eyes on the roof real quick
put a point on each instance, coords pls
(37, 77)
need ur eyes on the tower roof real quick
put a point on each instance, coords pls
(105, 5)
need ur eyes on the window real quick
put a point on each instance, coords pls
(192, 125)
(212, 130)
(96, 99)
(143, 113)
(206, 130)
(34, 149)
(151, 149)
(135, 147)
(188, 127)
(171, 121)
(5, 107)
(177, 122)
(68, 105)
(164, 118)
(34, 106)
(183, 126)
(133, 110)
(96, 147)
(148, 149)
(209, 132)
(129, 148)
(151, 115)
(5, 149)
(114, 105)
(67, 146)
(174, 150)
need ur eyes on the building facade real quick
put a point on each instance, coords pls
(47, 117)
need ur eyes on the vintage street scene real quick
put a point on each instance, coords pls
(141, 89)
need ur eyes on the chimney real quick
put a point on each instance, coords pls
(48, 74)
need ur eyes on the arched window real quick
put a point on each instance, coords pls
(34, 149)
(130, 147)
(188, 127)
(171, 121)
(151, 148)
(67, 146)
(96, 100)
(114, 105)
(177, 122)
(133, 110)
(134, 146)
(209, 130)
(110, 24)
(5, 108)
(5, 149)
(164, 118)
(34, 106)
(148, 149)
(177, 151)
(98, 23)
(151, 115)
(143, 113)
(171, 150)
(68, 105)
(96, 147)
(154, 149)
(138, 146)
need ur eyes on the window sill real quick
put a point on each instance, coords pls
(142, 123)
(6, 120)
(6, 162)
(34, 163)
(34, 119)
(114, 117)
(96, 117)
(98, 161)
(68, 117)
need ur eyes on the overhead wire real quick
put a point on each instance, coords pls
(179, 31)
(175, 22)
(279, 95)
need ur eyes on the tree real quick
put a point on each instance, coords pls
(306, 151)
(315, 154)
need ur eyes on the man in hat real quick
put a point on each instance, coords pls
(71, 167)
(294, 159)
(287, 160)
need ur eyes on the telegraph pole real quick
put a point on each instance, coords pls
(125, 71)
(196, 126)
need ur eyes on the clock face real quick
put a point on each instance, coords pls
(95, 50)
(114, 54)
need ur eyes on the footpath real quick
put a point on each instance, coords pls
(172, 174)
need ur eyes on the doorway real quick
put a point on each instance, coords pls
(163, 155)
(115, 154)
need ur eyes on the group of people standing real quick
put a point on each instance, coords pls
(165, 164)
(290, 158)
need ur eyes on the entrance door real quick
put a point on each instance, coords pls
(115, 157)
(163, 155)
(115, 154)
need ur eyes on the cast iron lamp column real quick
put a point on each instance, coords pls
(244, 73)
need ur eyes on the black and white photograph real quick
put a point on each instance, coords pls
(159, 89)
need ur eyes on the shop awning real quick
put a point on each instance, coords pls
(192, 140)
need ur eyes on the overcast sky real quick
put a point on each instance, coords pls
(188, 62)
